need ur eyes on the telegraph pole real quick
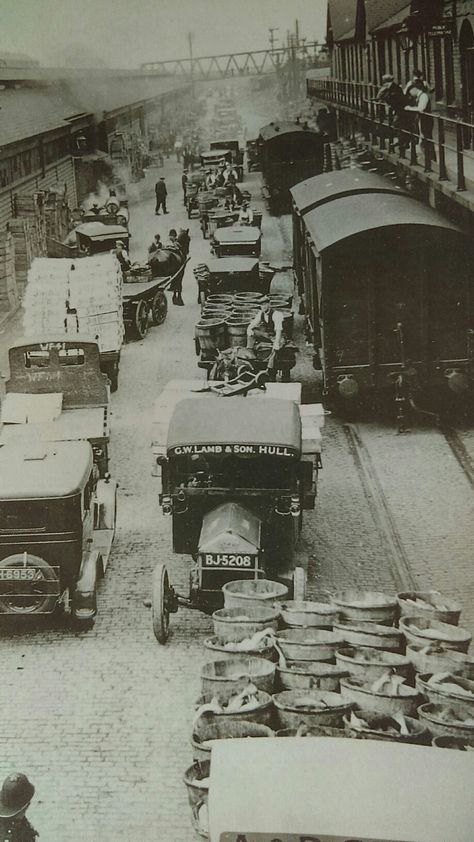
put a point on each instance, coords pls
(271, 30)
(190, 42)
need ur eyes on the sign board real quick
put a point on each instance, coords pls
(234, 449)
(439, 30)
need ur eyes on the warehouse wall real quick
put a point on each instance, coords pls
(58, 174)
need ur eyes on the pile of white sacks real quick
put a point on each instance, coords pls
(75, 296)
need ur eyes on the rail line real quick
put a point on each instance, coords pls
(380, 509)
(459, 450)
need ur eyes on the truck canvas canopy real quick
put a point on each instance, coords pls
(243, 426)
(236, 235)
(339, 790)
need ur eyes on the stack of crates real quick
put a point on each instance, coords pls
(76, 296)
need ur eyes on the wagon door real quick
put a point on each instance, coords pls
(398, 322)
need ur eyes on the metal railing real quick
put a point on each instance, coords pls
(446, 144)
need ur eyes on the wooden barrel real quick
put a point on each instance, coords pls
(236, 329)
(211, 333)
(257, 592)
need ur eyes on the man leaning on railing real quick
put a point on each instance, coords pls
(393, 97)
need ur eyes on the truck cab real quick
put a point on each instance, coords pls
(57, 392)
(57, 521)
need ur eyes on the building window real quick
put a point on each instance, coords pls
(390, 54)
(438, 69)
(381, 58)
(449, 70)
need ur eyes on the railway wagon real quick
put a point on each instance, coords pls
(288, 153)
(387, 290)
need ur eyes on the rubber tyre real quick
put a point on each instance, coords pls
(299, 584)
(159, 612)
(159, 308)
(140, 320)
(46, 602)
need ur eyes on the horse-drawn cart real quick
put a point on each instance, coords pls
(144, 298)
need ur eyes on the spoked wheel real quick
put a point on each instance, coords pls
(140, 320)
(159, 308)
(160, 603)
(299, 584)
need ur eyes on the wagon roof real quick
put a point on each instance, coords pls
(431, 791)
(278, 128)
(319, 189)
(235, 421)
(246, 234)
(351, 216)
(223, 265)
(38, 470)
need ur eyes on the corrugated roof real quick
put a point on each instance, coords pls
(350, 216)
(25, 113)
(342, 15)
(105, 94)
(235, 421)
(379, 12)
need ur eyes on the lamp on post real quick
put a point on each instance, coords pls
(409, 32)
(405, 38)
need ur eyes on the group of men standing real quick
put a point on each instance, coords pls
(410, 110)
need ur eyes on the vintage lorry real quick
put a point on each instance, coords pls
(57, 392)
(82, 296)
(236, 475)
(57, 523)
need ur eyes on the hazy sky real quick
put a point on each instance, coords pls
(128, 32)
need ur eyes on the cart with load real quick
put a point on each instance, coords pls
(232, 275)
(237, 241)
(235, 476)
(144, 288)
(194, 181)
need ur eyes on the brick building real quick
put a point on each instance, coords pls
(367, 38)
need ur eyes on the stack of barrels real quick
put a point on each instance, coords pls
(225, 318)
(357, 664)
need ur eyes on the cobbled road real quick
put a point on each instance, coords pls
(101, 721)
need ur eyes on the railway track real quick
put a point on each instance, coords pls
(460, 452)
(380, 509)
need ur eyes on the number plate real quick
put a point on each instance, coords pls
(221, 560)
(20, 574)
